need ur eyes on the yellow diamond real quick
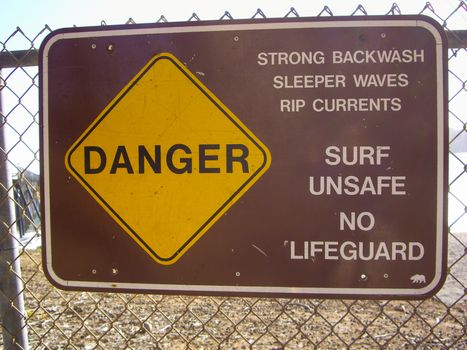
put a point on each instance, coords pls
(166, 159)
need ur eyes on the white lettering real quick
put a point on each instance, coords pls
(413, 246)
(398, 248)
(355, 186)
(356, 155)
(308, 81)
(355, 221)
(382, 252)
(294, 255)
(329, 248)
(378, 56)
(363, 251)
(349, 254)
(315, 249)
(362, 104)
(381, 80)
(290, 58)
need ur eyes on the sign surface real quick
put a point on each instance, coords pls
(246, 157)
(166, 110)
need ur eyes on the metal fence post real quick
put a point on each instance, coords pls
(12, 315)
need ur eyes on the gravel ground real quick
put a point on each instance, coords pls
(66, 320)
(453, 288)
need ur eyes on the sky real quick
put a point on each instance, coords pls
(32, 15)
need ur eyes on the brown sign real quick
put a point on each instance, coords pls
(295, 157)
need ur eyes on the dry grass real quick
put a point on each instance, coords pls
(70, 320)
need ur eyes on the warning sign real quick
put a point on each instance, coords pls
(294, 157)
(181, 156)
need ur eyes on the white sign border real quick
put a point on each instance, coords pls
(237, 27)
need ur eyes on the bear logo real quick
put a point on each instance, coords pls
(418, 279)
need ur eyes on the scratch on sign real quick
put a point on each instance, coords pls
(259, 250)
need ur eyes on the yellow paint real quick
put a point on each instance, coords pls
(166, 212)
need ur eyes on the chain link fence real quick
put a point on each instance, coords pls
(54, 319)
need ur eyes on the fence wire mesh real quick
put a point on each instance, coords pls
(55, 319)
